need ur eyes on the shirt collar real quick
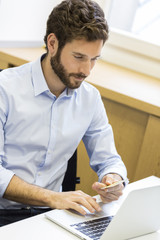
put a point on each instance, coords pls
(39, 81)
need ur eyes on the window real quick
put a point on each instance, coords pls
(134, 40)
(140, 17)
(23, 22)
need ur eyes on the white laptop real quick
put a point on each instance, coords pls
(139, 214)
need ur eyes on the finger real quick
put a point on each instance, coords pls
(97, 186)
(77, 208)
(117, 188)
(88, 202)
(108, 179)
(94, 204)
(107, 192)
(111, 194)
(110, 197)
(111, 179)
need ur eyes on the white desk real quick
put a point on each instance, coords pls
(40, 228)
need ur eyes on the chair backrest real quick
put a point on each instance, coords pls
(70, 179)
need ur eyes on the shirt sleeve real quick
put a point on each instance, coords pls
(100, 145)
(5, 175)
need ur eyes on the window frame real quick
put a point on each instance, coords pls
(129, 51)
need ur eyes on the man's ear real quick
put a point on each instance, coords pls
(52, 44)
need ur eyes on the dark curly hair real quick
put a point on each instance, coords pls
(77, 19)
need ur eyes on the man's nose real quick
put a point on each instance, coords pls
(85, 68)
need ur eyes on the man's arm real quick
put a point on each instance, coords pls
(104, 159)
(100, 145)
(20, 191)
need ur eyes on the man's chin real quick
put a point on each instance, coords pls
(75, 85)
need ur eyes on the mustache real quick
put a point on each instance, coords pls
(77, 75)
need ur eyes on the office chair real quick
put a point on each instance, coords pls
(70, 178)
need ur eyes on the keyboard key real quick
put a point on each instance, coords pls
(93, 228)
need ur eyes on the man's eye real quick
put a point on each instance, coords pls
(95, 59)
(78, 57)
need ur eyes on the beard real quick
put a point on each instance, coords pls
(62, 73)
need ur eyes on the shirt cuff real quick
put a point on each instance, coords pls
(121, 173)
(5, 178)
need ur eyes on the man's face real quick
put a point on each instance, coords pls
(74, 63)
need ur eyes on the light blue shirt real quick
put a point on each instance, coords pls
(39, 132)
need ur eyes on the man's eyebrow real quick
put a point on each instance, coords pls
(83, 55)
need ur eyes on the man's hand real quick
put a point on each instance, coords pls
(112, 193)
(75, 200)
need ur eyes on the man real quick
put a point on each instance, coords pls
(46, 108)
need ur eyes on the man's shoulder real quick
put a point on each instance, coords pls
(10, 75)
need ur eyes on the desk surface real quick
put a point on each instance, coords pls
(40, 228)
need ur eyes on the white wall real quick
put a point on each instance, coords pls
(23, 22)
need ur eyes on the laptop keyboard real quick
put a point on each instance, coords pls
(93, 228)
